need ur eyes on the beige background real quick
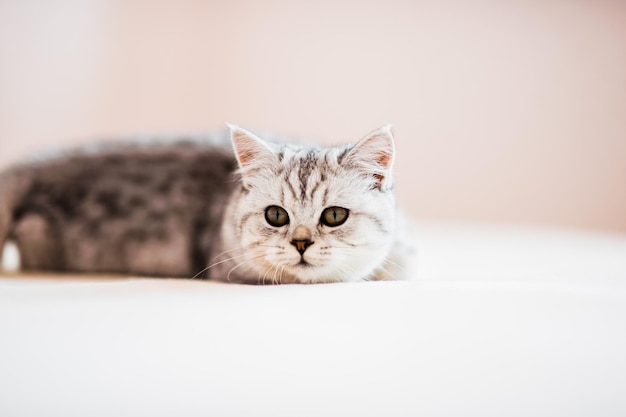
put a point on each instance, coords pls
(503, 111)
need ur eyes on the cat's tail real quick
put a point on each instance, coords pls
(14, 184)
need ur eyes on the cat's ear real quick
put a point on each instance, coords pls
(250, 151)
(374, 155)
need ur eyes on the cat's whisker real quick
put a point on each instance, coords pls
(341, 247)
(271, 246)
(216, 257)
(276, 275)
(267, 271)
(217, 263)
(201, 272)
(242, 263)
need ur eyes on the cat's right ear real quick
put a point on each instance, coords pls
(250, 151)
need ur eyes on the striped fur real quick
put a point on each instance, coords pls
(196, 208)
(305, 181)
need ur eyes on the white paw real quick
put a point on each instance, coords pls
(10, 257)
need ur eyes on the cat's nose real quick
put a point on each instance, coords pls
(301, 238)
(301, 244)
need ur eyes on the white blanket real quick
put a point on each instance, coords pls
(497, 322)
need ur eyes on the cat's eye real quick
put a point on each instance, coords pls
(276, 216)
(334, 216)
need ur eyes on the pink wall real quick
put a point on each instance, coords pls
(503, 111)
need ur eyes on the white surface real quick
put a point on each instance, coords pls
(497, 322)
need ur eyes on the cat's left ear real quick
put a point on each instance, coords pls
(250, 151)
(374, 155)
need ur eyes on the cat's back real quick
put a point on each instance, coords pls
(74, 176)
(138, 207)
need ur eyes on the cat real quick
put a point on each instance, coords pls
(237, 209)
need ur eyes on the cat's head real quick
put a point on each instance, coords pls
(309, 213)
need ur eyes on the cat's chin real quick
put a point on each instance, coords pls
(307, 273)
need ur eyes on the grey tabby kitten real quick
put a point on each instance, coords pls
(269, 213)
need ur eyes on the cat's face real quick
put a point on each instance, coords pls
(312, 214)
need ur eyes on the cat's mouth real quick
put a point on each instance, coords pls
(304, 264)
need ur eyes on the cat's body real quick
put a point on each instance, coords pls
(265, 213)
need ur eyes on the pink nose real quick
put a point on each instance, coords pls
(301, 245)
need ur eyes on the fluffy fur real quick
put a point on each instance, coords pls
(197, 209)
